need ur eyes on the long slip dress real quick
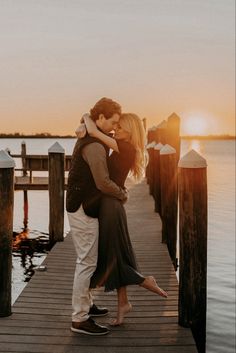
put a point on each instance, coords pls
(116, 266)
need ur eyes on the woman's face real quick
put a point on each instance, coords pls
(121, 134)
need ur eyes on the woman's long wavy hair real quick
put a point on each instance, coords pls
(134, 126)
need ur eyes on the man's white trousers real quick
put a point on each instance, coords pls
(84, 231)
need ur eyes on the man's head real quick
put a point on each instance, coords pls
(106, 114)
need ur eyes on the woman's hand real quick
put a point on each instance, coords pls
(81, 131)
(83, 117)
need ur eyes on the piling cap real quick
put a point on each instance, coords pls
(162, 125)
(56, 148)
(158, 146)
(173, 116)
(192, 160)
(6, 161)
(167, 149)
(151, 145)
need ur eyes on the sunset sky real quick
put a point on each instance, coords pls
(155, 57)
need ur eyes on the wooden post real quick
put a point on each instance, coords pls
(150, 149)
(169, 199)
(173, 135)
(7, 165)
(161, 132)
(193, 245)
(151, 134)
(150, 141)
(23, 159)
(56, 192)
(148, 136)
(145, 124)
(157, 178)
(25, 193)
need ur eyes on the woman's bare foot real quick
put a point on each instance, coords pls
(122, 311)
(151, 284)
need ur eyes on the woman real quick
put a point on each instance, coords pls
(116, 267)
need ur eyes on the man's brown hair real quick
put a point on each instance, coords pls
(105, 106)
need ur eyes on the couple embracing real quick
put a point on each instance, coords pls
(95, 200)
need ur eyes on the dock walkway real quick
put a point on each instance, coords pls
(42, 314)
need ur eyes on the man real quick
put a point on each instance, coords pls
(87, 175)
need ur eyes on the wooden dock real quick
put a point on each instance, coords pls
(42, 314)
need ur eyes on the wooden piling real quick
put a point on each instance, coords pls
(150, 141)
(23, 158)
(157, 178)
(151, 134)
(56, 192)
(25, 192)
(173, 133)
(193, 245)
(145, 123)
(150, 169)
(7, 165)
(169, 199)
(160, 134)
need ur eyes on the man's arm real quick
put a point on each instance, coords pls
(95, 155)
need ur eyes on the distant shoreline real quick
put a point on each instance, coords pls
(184, 137)
(209, 137)
(37, 136)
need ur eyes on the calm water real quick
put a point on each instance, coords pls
(220, 156)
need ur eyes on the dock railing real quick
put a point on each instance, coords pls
(33, 163)
(55, 163)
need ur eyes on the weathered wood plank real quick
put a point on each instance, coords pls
(83, 340)
(42, 348)
(64, 332)
(138, 305)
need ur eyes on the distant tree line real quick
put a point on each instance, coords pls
(209, 137)
(36, 135)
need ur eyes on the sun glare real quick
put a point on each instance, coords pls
(195, 125)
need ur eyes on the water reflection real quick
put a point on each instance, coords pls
(27, 246)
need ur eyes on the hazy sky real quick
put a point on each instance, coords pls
(155, 57)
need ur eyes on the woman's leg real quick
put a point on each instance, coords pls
(124, 306)
(151, 284)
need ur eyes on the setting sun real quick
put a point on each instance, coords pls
(195, 125)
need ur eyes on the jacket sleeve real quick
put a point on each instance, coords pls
(95, 155)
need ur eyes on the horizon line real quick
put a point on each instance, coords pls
(49, 135)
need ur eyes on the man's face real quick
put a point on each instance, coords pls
(107, 125)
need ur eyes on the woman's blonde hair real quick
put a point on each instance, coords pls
(134, 126)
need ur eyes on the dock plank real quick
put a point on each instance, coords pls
(42, 314)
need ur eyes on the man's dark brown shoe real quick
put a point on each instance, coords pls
(95, 311)
(89, 327)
